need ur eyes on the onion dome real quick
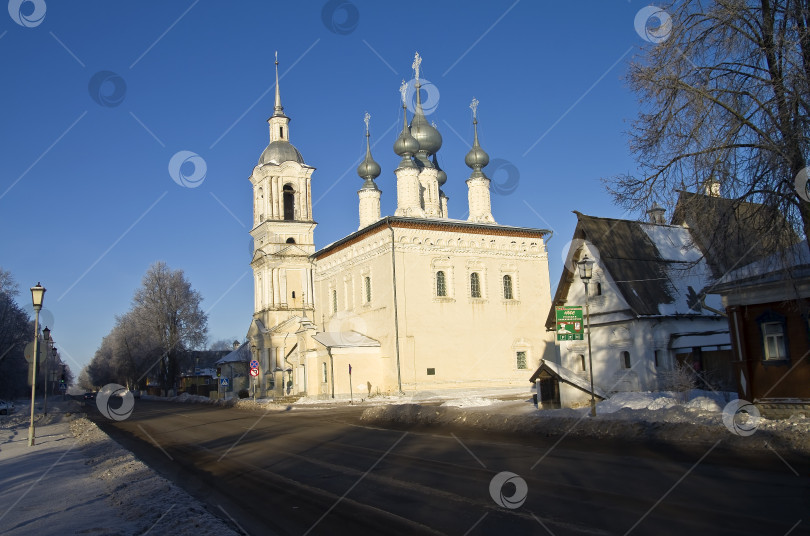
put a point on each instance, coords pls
(368, 168)
(429, 139)
(406, 145)
(442, 176)
(477, 158)
(280, 151)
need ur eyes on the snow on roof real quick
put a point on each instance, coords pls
(788, 260)
(692, 340)
(568, 376)
(344, 339)
(240, 355)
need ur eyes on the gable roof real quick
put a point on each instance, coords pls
(657, 269)
(793, 263)
(567, 376)
(740, 227)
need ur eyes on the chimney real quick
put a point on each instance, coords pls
(656, 214)
(235, 345)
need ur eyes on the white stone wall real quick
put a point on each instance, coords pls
(468, 341)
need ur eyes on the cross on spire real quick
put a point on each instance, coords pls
(403, 89)
(366, 120)
(417, 61)
(474, 107)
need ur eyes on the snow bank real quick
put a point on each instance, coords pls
(662, 417)
(144, 500)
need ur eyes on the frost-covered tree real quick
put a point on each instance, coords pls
(169, 310)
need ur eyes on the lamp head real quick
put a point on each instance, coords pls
(585, 268)
(37, 293)
(46, 334)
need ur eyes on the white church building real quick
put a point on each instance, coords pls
(410, 302)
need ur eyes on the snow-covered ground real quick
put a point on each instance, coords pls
(76, 480)
(691, 417)
(694, 417)
(75, 469)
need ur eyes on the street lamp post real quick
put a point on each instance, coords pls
(46, 337)
(37, 293)
(585, 273)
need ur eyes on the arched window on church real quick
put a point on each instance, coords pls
(334, 301)
(475, 285)
(291, 240)
(367, 284)
(289, 202)
(507, 287)
(441, 284)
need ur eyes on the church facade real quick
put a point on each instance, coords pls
(416, 301)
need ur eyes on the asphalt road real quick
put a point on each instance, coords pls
(323, 472)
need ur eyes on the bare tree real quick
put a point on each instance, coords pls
(169, 308)
(725, 100)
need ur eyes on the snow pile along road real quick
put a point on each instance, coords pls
(694, 417)
(145, 500)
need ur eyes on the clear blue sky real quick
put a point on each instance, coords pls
(88, 203)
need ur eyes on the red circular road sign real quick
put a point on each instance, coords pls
(254, 372)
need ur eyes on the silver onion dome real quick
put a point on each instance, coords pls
(280, 151)
(441, 178)
(429, 139)
(477, 158)
(406, 145)
(368, 168)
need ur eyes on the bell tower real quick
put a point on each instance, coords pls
(283, 228)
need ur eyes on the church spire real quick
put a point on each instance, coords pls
(477, 158)
(405, 146)
(478, 184)
(369, 194)
(430, 140)
(278, 109)
(368, 168)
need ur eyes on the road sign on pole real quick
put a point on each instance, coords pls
(224, 382)
(254, 364)
(254, 372)
(569, 323)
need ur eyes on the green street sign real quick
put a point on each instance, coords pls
(569, 323)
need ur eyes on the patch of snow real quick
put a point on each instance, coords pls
(470, 402)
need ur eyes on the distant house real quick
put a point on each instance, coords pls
(198, 374)
(768, 303)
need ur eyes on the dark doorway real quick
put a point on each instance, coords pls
(549, 395)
